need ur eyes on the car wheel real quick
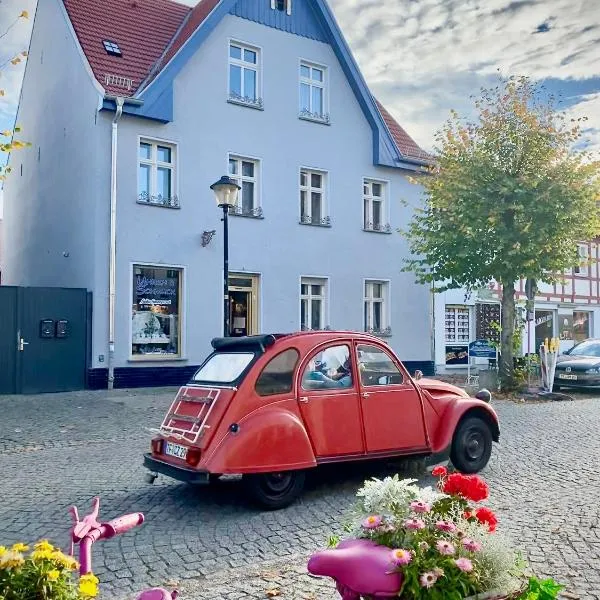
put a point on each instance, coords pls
(274, 490)
(471, 445)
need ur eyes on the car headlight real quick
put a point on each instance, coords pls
(593, 371)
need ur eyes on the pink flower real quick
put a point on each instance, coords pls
(471, 545)
(464, 564)
(420, 507)
(401, 557)
(414, 524)
(445, 548)
(372, 522)
(446, 526)
(428, 579)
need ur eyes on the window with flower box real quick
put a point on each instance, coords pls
(313, 92)
(312, 198)
(244, 75)
(156, 174)
(313, 303)
(245, 171)
(376, 307)
(375, 206)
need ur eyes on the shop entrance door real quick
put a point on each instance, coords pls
(243, 304)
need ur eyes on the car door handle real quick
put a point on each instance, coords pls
(365, 394)
(303, 399)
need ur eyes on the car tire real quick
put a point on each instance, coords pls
(471, 445)
(273, 491)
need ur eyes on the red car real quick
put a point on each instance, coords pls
(271, 407)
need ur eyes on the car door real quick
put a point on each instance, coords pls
(391, 406)
(329, 402)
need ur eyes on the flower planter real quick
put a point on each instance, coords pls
(422, 543)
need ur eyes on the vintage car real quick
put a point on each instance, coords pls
(272, 407)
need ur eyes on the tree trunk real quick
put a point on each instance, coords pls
(506, 337)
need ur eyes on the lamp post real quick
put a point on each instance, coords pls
(226, 194)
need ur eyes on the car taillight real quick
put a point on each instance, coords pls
(192, 457)
(157, 446)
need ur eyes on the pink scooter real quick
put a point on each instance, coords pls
(87, 531)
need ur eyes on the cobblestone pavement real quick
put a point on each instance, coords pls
(62, 449)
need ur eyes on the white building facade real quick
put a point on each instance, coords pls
(113, 196)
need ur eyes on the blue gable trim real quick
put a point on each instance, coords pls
(302, 21)
(314, 18)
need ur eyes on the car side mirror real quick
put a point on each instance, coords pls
(418, 375)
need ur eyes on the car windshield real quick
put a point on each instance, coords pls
(224, 367)
(585, 349)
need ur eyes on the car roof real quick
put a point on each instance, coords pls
(264, 341)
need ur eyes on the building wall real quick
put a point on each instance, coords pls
(569, 310)
(206, 127)
(56, 198)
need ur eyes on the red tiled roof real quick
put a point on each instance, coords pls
(149, 33)
(141, 28)
(407, 146)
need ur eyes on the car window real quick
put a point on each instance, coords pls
(589, 348)
(377, 367)
(224, 367)
(278, 375)
(329, 369)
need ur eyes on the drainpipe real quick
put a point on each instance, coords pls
(113, 245)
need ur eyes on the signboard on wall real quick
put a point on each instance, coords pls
(486, 314)
(457, 355)
(482, 349)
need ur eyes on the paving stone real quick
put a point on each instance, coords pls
(63, 449)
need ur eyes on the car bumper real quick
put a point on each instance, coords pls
(175, 472)
(582, 381)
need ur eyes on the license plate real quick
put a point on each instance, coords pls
(175, 450)
(565, 376)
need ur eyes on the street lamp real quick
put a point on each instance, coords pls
(226, 194)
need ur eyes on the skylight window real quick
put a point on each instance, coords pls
(112, 48)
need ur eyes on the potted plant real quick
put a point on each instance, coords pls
(427, 543)
(44, 573)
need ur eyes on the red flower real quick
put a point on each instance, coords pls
(469, 487)
(439, 471)
(486, 516)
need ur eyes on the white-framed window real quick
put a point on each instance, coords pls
(157, 173)
(314, 293)
(246, 172)
(375, 206)
(457, 324)
(583, 268)
(313, 209)
(244, 74)
(156, 315)
(282, 6)
(313, 92)
(376, 307)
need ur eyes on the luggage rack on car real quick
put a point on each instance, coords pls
(189, 412)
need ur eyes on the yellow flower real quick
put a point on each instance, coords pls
(88, 585)
(11, 559)
(44, 545)
(65, 561)
(41, 555)
(53, 575)
(19, 547)
(3, 550)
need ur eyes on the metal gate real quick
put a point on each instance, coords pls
(44, 335)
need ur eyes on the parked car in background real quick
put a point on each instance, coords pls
(271, 407)
(579, 366)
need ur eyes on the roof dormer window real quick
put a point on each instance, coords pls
(282, 5)
(112, 48)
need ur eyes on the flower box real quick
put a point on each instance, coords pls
(427, 544)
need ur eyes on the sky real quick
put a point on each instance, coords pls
(422, 58)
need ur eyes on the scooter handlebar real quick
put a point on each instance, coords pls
(123, 524)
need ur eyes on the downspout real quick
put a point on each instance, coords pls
(113, 245)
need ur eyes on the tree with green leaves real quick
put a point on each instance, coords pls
(508, 199)
(8, 139)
